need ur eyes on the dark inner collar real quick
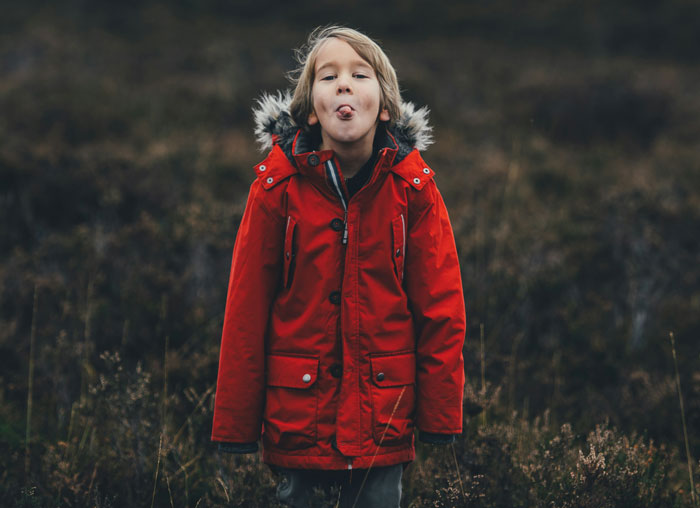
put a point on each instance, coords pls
(381, 140)
(378, 144)
(310, 140)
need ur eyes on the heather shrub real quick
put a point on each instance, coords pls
(112, 434)
(518, 463)
(123, 449)
(608, 469)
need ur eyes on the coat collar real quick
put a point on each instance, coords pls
(274, 125)
(310, 162)
(274, 128)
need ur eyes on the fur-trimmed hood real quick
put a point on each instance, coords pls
(274, 124)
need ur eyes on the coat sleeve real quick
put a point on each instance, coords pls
(434, 288)
(253, 282)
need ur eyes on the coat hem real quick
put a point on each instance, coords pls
(338, 462)
(441, 430)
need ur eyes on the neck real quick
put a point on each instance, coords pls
(352, 156)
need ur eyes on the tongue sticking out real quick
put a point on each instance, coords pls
(345, 111)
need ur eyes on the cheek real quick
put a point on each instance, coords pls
(318, 98)
(313, 116)
(373, 98)
(314, 98)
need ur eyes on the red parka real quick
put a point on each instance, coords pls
(345, 319)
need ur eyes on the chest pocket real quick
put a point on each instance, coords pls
(289, 253)
(398, 227)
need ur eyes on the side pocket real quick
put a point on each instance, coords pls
(398, 226)
(289, 253)
(291, 402)
(393, 397)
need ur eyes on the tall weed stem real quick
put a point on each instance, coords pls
(30, 384)
(483, 369)
(693, 493)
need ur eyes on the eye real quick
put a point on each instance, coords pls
(328, 78)
(361, 76)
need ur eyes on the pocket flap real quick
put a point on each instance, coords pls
(394, 370)
(291, 371)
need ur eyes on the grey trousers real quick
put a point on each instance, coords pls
(382, 489)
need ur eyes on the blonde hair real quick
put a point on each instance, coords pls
(303, 77)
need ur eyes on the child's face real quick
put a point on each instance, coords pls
(345, 95)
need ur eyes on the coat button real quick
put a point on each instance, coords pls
(334, 297)
(380, 376)
(337, 225)
(416, 180)
(270, 180)
(262, 167)
(426, 171)
(306, 378)
(336, 370)
(313, 160)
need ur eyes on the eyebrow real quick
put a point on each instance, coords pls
(355, 63)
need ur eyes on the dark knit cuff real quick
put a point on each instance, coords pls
(436, 439)
(238, 447)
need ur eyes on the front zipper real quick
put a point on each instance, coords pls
(334, 177)
(345, 228)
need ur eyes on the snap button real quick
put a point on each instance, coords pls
(416, 180)
(337, 225)
(426, 171)
(334, 297)
(313, 160)
(306, 378)
(270, 179)
(380, 376)
(336, 370)
(398, 252)
(262, 167)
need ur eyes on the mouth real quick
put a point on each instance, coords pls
(345, 111)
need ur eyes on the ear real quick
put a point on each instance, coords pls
(384, 115)
(313, 119)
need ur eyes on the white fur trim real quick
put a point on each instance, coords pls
(414, 124)
(272, 111)
(272, 118)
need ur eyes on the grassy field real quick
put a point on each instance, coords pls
(567, 153)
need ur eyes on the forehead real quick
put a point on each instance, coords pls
(337, 52)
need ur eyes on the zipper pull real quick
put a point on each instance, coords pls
(345, 229)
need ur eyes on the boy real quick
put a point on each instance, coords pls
(344, 320)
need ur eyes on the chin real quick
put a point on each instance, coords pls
(349, 139)
(346, 138)
(350, 136)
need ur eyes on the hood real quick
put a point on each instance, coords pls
(274, 124)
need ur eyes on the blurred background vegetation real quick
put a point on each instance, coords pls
(566, 150)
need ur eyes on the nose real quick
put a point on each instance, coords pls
(344, 85)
